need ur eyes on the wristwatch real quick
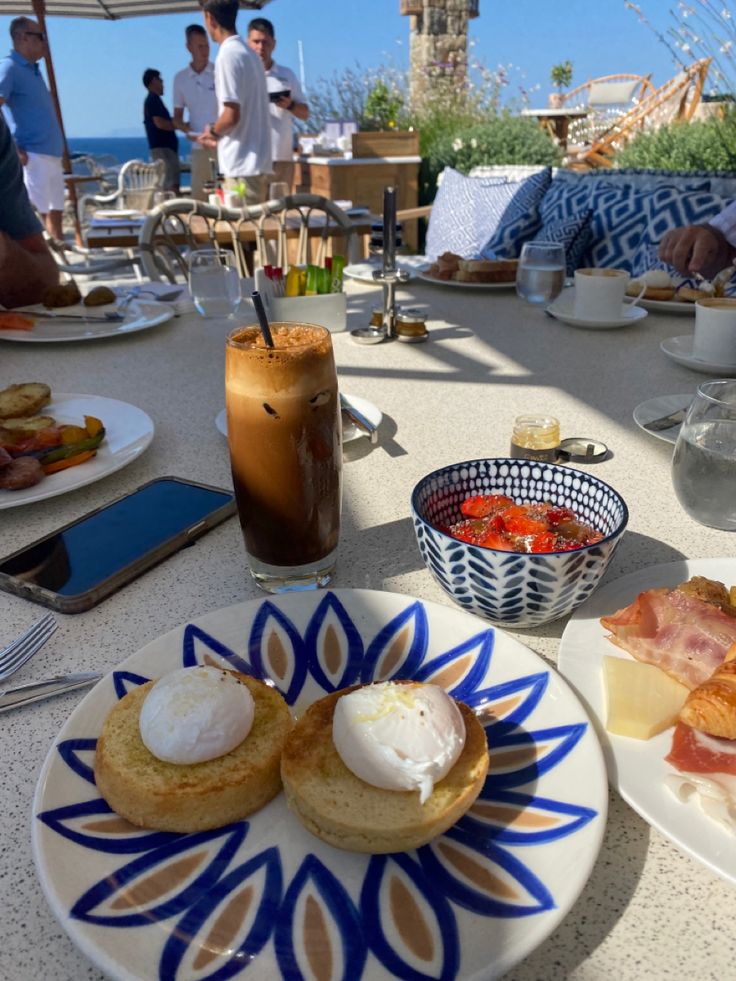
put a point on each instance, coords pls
(215, 136)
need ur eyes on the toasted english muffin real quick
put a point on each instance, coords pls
(651, 292)
(349, 813)
(152, 793)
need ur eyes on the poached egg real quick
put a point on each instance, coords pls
(196, 714)
(399, 736)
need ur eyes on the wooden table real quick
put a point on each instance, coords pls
(647, 911)
(362, 181)
(556, 121)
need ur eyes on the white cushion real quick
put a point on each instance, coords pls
(612, 93)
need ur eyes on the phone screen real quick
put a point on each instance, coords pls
(95, 548)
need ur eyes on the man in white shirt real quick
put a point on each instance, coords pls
(262, 40)
(194, 91)
(241, 132)
(704, 249)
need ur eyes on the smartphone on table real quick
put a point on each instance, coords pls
(74, 568)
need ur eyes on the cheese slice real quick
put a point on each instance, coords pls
(641, 699)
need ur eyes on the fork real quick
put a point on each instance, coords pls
(15, 655)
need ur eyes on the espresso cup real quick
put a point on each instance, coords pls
(599, 293)
(714, 338)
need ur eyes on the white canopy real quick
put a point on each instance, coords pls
(108, 9)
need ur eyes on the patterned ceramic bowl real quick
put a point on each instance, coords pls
(509, 588)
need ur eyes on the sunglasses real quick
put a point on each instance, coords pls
(41, 36)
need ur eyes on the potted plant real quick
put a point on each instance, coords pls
(380, 135)
(561, 76)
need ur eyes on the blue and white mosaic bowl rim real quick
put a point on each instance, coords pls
(512, 461)
(537, 826)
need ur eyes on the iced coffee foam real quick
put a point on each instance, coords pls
(300, 362)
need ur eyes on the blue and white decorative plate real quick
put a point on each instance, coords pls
(262, 898)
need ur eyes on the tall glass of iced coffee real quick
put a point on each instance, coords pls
(284, 432)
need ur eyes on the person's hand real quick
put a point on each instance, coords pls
(696, 249)
(285, 102)
(206, 140)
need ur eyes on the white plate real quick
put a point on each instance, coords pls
(658, 407)
(466, 286)
(349, 430)
(637, 768)
(139, 315)
(563, 309)
(128, 431)
(363, 271)
(680, 349)
(669, 306)
(476, 900)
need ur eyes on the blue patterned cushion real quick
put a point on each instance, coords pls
(458, 220)
(467, 211)
(521, 219)
(573, 232)
(666, 209)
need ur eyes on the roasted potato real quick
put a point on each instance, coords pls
(63, 295)
(25, 399)
(29, 423)
(99, 296)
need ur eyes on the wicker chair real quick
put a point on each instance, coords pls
(295, 229)
(676, 100)
(604, 99)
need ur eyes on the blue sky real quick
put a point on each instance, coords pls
(99, 63)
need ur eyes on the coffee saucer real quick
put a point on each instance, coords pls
(680, 349)
(563, 309)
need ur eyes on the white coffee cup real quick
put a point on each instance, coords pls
(714, 338)
(599, 293)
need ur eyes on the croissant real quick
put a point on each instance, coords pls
(711, 707)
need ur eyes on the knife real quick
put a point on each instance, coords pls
(34, 691)
(359, 420)
(666, 422)
(107, 318)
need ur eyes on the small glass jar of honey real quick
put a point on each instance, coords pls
(535, 438)
(411, 325)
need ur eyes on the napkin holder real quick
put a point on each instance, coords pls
(329, 310)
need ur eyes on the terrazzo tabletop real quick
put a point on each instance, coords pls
(647, 910)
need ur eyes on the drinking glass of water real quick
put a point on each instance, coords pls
(704, 461)
(540, 274)
(214, 282)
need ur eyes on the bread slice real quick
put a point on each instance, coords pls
(487, 270)
(25, 399)
(349, 813)
(152, 793)
(651, 292)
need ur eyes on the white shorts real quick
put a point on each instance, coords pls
(44, 180)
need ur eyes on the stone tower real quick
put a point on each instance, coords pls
(438, 41)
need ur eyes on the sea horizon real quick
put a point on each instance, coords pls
(118, 149)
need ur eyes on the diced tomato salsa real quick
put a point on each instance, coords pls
(497, 521)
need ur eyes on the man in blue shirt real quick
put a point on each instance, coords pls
(35, 126)
(27, 268)
(161, 129)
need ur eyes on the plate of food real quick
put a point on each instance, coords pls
(363, 271)
(67, 316)
(450, 269)
(349, 430)
(645, 652)
(476, 894)
(54, 443)
(664, 294)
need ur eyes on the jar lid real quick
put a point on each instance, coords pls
(581, 449)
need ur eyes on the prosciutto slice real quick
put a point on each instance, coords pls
(707, 773)
(684, 631)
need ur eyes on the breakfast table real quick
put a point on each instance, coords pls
(647, 910)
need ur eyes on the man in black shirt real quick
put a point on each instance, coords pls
(161, 129)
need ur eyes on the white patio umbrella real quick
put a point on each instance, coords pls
(102, 10)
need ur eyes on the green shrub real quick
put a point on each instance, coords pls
(706, 145)
(500, 140)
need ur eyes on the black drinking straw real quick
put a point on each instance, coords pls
(262, 318)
